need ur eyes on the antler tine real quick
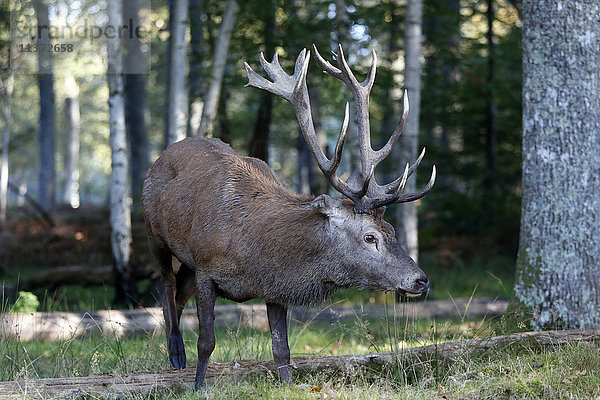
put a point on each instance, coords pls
(326, 65)
(370, 79)
(271, 68)
(398, 197)
(365, 186)
(405, 198)
(257, 81)
(300, 71)
(337, 154)
(346, 74)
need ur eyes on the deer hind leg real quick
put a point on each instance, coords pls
(175, 345)
(186, 286)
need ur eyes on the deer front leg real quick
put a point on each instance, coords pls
(205, 306)
(277, 315)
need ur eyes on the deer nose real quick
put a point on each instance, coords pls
(422, 284)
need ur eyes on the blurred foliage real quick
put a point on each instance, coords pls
(26, 302)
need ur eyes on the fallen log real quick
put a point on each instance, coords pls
(117, 386)
(53, 326)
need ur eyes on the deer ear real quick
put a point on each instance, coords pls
(379, 211)
(326, 205)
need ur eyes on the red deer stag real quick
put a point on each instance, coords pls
(240, 235)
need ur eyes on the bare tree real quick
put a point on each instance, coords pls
(6, 88)
(559, 251)
(177, 96)
(209, 111)
(259, 142)
(120, 212)
(197, 63)
(407, 222)
(47, 128)
(490, 128)
(71, 156)
(343, 25)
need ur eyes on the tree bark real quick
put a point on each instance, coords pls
(6, 87)
(490, 125)
(310, 179)
(224, 131)
(559, 253)
(136, 106)
(259, 143)
(407, 220)
(47, 128)
(220, 61)
(71, 156)
(197, 64)
(180, 380)
(352, 146)
(120, 212)
(177, 96)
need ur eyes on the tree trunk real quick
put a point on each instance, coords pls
(343, 34)
(310, 179)
(197, 64)
(407, 222)
(120, 212)
(559, 254)
(177, 96)
(47, 129)
(136, 105)
(219, 62)
(224, 132)
(259, 143)
(306, 170)
(6, 87)
(71, 157)
(390, 113)
(490, 128)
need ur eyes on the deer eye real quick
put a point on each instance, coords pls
(372, 239)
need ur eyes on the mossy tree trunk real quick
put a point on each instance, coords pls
(558, 266)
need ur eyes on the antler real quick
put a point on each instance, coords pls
(361, 187)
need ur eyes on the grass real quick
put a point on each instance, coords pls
(97, 354)
(515, 372)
